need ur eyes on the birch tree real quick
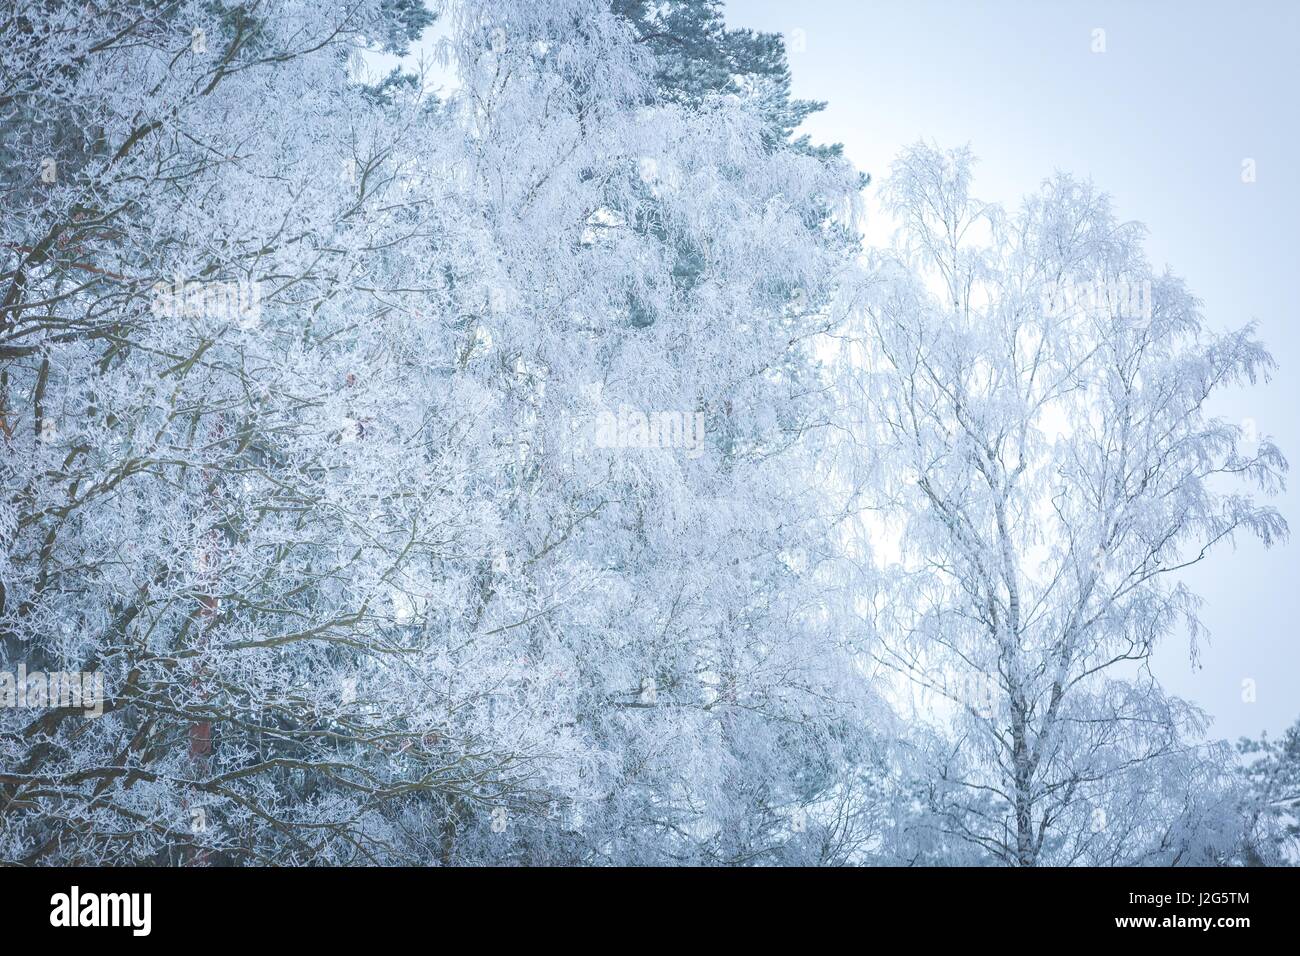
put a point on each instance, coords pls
(1038, 411)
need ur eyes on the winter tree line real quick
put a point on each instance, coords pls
(303, 378)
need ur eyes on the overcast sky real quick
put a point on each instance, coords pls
(1163, 120)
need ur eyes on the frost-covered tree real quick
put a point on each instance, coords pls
(663, 258)
(204, 435)
(696, 55)
(1035, 404)
(1270, 804)
(302, 392)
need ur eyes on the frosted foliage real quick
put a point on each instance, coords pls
(500, 472)
(1036, 414)
(361, 585)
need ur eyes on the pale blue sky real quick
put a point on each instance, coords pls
(1162, 120)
